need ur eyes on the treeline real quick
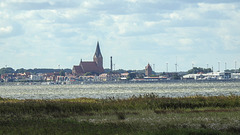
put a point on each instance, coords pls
(196, 70)
(33, 71)
(233, 70)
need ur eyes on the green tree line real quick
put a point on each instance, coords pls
(33, 71)
(196, 70)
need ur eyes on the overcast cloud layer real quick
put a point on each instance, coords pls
(45, 34)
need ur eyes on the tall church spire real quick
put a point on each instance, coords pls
(98, 56)
(98, 52)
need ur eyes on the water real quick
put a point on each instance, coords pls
(124, 90)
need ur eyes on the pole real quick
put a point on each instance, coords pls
(218, 66)
(111, 63)
(167, 67)
(236, 66)
(176, 66)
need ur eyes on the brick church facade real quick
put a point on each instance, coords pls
(148, 70)
(95, 66)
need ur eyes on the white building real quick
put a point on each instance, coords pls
(36, 77)
(208, 76)
(235, 75)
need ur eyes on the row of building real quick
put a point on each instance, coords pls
(55, 77)
(24, 77)
(96, 74)
(113, 76)
(212, 76)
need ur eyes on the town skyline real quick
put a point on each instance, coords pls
(46, 34)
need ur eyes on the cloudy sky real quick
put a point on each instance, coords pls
(45, 34)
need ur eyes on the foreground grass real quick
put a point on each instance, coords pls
(146, 114)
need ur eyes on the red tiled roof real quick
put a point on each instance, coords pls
(77, 69)
(90, 67)
(148, 66)
(87, 66)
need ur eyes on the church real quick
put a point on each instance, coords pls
(94, 67)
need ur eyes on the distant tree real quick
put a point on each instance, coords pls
(120, 71)
(176, 77)
(7, 70)
(140, 75)
(31, 71)
(207, 70)
(232, 70)
(68, 70)
(196, 70)
(163, 73)
(81, 79)
(62, 73)
(107, 70)
(21, 70)
(88, 74)
(131, 76)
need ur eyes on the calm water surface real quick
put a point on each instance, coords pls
(169, 89)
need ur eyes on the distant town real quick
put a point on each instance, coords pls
(93, 71)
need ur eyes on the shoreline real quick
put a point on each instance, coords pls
(115, 82)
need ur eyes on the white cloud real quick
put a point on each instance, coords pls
(133, 1)
(175, 16)
(186, 41)
(2, 5)
(220, 7)
(7, 29)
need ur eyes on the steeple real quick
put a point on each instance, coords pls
(98, 52)
(98, 56)
(80, 62)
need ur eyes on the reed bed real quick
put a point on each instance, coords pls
(122, 116)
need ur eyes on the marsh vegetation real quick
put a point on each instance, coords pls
(144, 114)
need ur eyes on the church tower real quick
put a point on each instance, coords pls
(98, 57)
(148, 70)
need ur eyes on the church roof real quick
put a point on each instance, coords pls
(148, 66)
(90, 67)
(98, 52)
(87, 66)
(77, 69)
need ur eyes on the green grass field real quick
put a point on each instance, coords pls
(147, 114)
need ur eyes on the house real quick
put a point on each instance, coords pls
(209, 76)
(235, 76)
(36, 77)
(51, 76)
(109, 76)
(124, 76)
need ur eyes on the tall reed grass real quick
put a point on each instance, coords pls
(144, 102)
(60, 116)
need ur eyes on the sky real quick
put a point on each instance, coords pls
(46, 34)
